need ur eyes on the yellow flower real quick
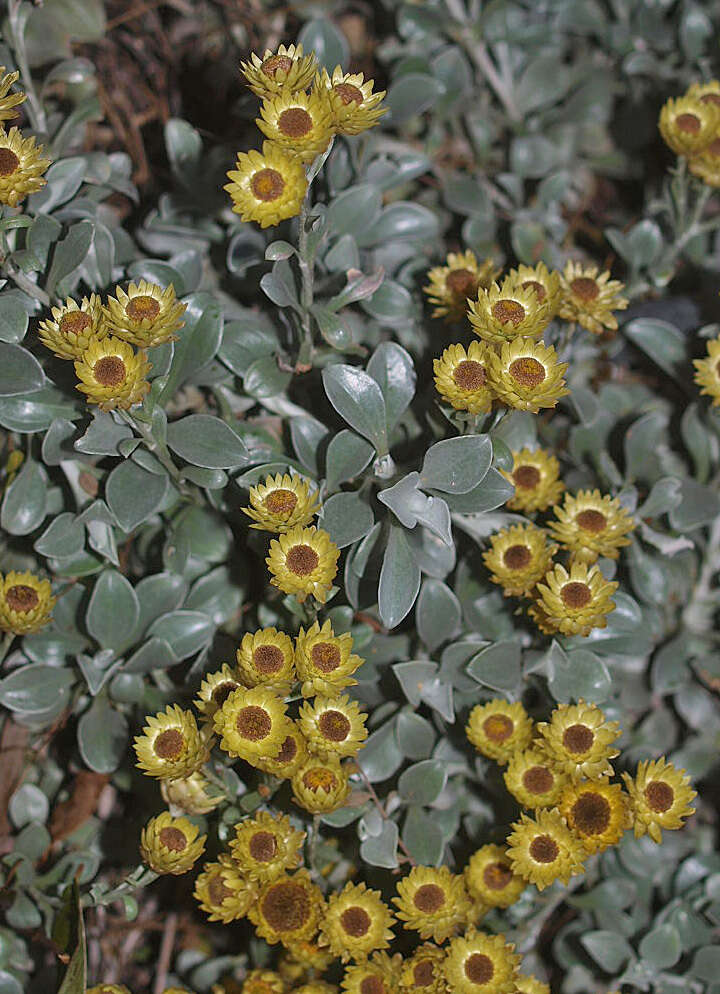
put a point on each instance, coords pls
(527, 984)
(688, 125)
(21, 167)
(354, 105)
(108, 989)
(378, 975)
(324, 661)
(706, 93)
(111, 374)
(146, 315)
(282, 503)
(175, 990)
(9, 101)
(589, 299)
(263, 982)
(72, 328)
(286, 69)
(591, 525)
(597, 812)
(508, 311)
(333, 726)
(303, 562)
(356, 922)
(489, 877)
(26, 603)
(660, 797)
(265, 658)
(544, 283)
(432, 901)
(497, 729)
(423, 971)
(526, 375)
(215, 690)
(299, 123)
(266, 186)
(706, 166)
(293, 753)
(321, 785)
(222, 892)
(252, 724)
(266, 846)
(578, 739)
(307, 955)
(287, 909)
(192, 795)
(535, 476)
(518, 557)
(170, 747)
(543, 849)
(576, 602)
(461, 378)
(477, 963)
(171, 845)
(533, 779)
(453, 285)
(707, 373)
(317, 987)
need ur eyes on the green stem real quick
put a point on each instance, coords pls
(158, 449)
(17, 22)
(306, 261)
(7, 641)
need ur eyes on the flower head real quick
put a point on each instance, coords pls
(544, 283)
(293, 753)
(489, 877)
(660, 797)
(423, 971)
(266, 186)
(527, 984)
(191, 795)
(108, 989)
(286, 69)
(266, 846)
(320, 784)
(533, 779)
(508, 311)
(73, 327)
(356, 922)
(282, 503)
(597, 812)
(591, 525)
(303, 562)
(215, 690)
(707, 371)
(377, 975)
(145, 315)
(300, 123)
(354, 105)
(324, 661)
(461, 378)
(171, 845)
(26, 603)
(111, 374)
(266, 659)
(576, 602)
(261, 981)
(22, 165)
(578, 739)
(497, 729)
(518, 557)
(589, 297)
(706, 165)
(535, 476)
(526, 375)
(542, 849)
(252, 724)
(333, 726)
(170, 747)
(222, 892)
(432, 901)
(452, 286)
(477, 963)
(287, 909)
(9, 100)
(688, 124)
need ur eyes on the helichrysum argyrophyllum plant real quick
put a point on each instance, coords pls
(360, 514)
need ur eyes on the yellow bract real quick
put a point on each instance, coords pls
(508, 311)
(526, 375)
(303, 562)
(215, 690)
(9, 100)
(489, 877)
(355, 923)
(252, 724)
(597, 812)
(533, 779)
(378, 975)
(293, 753)
(355, 107)
(111, 374)
(287, 909)
(285, 69)
(320, 784)
(660, 797)
(282, 502)
(266, 658)
(497, 729)
(299, 123)
(324, 661)
(267, 186)
(544, 283)
(26, 603)
(191, 795)
(578, 739)
(266, 846)
(688, 124)
(535, 476)
(477, 963)
(145, 315)
(573, 602)
(333, 726)
(423, 971)
(22, 165)
(530, 985)
(589, 297)
(171, 845)
(222, 892)
(518, 557)
(73, 327)
(170, 747)
(452, 286)
(591, 525)
(432, 901)
(263, 982)
(461, 377)
(542, 849)
(707, 371)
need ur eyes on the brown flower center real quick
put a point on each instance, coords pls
(372, 985)
(497, 876)
(714, 147)
(74, 323)
(355, 921)
(262, 846)
(461, 283)
(267, 184)
(273, 63)
(526, 477)
(142, 308)
(538, 780)
(576, 595)
(659, 795)
(591, 520)
(479, 968)
(302, 560)
(423, 974)
(517, 557)
(109, 371)
(544, 849)
(538, 288)
(334, 726)
(320, 778)
(508, 312)
(591, 814)
(469, 375)
(223, 690)
(429, 898)
(288, 750)
(286, 907)
(217, 890)
(21, 598)
(690, 124)
(325, 657)
(710, 98)
(349, 93)
(280, 501)
(578, 739)
(169, 744)
(268, 659)
(253, 723)
(172, 838)
(8, 162)
(295, 122)
(498, 727)
(585, 288)
(528, 372)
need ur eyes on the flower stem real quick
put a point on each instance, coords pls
(306, 261)
(7, 641)
(17, 19)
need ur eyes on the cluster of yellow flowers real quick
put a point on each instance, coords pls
(508, 365)
(302, 109)
(26, 603)
(560, 770)
(99, 338)
(690, 126)
(22, 163)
